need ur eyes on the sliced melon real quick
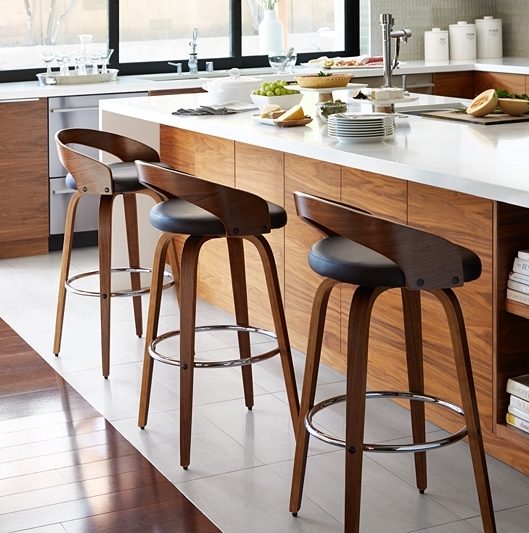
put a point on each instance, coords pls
(294, 113)
(483, 104)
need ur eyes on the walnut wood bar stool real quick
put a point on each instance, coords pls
(376, 254)
(202, 210)
(89, 176)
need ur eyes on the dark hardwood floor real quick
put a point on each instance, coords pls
(64, 468)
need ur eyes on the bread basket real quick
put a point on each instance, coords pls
(322, 82)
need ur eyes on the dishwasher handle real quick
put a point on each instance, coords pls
(64, 191)
(74, 109)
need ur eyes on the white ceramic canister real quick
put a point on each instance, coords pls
(436, 45)
(489, 37)
(462, 40)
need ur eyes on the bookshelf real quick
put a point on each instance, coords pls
(516, 308)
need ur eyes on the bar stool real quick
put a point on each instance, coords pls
(88, 176)
(202, 211)
(376, 254)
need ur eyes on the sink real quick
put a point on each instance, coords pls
(172, 76)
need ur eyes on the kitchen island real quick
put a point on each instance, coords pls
(467, 183)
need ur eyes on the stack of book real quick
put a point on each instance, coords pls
(518, 410)
(518, 283)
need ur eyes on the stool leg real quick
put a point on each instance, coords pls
(188, 300)
(65, 269)
(411, 306)
(153, 317)
(310, 379)
(280, 324)
(105, 247)
(240, 301)
(468, 396)
(131, 222)
(357, 351)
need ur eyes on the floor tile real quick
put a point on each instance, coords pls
(514, 520)
(212, 450)
(388, 503)
(254, 501)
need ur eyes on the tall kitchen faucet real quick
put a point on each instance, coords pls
(387, 22)
(193, 58)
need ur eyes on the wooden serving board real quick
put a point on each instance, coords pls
(496, 118)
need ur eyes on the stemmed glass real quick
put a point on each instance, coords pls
(47, 55)
(62, 61)
(106, 58)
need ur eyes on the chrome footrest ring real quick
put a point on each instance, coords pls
(172, 360)
(115, 294)
(388, 448)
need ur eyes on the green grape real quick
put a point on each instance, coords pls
(264, 84)
(283, 82)
(270, 93)
(278, 91)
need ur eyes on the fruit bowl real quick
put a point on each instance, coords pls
(513, 106)
(285, 101)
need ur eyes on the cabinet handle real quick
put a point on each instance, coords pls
(64, 191)
(15, 100)
(73, 109)
(420, 85)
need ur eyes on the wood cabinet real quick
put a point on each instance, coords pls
(470, 84)
(514, 83)
(24, 219)
(456, 84)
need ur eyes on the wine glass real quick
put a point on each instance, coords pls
(47, 55)
(106, 58)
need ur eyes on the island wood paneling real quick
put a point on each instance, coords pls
(494, 231)
(387, 197)
(323, 179)
(261, 171)
(24, 225)
(467, 221)
(211, 158)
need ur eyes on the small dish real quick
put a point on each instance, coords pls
(513, 106)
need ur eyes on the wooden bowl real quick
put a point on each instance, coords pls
(322, 82)
(513, 106)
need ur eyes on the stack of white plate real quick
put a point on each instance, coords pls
(353, 127)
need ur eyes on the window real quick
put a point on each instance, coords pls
(146, 35)
(31, 28)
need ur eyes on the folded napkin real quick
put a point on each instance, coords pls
(206, 110)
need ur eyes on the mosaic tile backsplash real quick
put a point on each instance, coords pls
(423, 15)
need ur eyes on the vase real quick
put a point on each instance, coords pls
(270, 32)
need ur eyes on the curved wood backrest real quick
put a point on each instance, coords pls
(93, 176)
(241, 212)
(427, 261)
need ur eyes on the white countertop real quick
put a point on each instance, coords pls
(31, 89)
(486, 161)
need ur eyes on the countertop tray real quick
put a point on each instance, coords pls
(76, 79)
(497, 118)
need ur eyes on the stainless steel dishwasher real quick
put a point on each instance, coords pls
(73, 112)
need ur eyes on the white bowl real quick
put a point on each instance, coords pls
(285, 101)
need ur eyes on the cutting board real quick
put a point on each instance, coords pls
(496, 118)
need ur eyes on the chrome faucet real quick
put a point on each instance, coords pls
(387, 22)
(193, 59)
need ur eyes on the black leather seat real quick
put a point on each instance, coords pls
(349, 262)
(180, 216)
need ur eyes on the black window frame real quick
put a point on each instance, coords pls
(351, 47)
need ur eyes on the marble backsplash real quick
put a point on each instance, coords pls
(427, 14)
